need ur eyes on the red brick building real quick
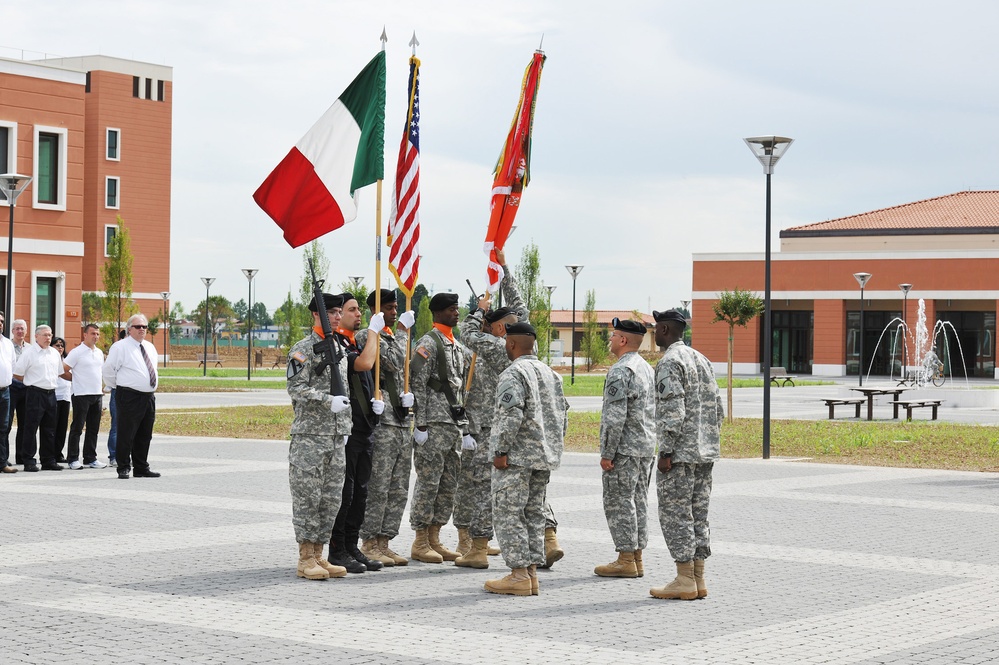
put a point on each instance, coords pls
(94, 132)
(946, 247)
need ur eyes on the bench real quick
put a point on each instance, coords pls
(911, 404)
(211, 357)
(780, 377)
(278, 361)
(833, 403)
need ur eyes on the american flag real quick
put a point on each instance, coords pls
(404, 228)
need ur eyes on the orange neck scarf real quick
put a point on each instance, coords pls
(349, 334)
(445, 330)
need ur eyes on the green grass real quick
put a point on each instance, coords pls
(184, 385)
(219, 372)
(593, 385)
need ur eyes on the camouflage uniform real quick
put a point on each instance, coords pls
(473, 501)
(392, 461)
(529, 426)
(436, 460)
(688, 425)
(316, 453)
(628, 438)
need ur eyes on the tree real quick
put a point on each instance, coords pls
(736, 308)
(91, 307)
(219, 308)
(117, 305)
(419, 293)
(288, 318)
(260, 315)
(424, 320)
(360, 293)
(535, 295)
(176, 315)
(154, 326)
(239, 308)
(594, 342)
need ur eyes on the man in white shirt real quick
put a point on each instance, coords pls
(131, 370)
(39, 368)
(84, 364)
(18, 330)
(7, 360)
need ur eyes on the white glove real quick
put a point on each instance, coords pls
(377, 406)
(420, 436)
(406, 399)
(345, 440)
(407, 319)
(377, 322)
(339, 404)
(467, 442)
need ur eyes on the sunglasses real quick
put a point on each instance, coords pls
(140, 327)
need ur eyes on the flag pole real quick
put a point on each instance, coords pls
(475, 356)
(378, 268)
(409, 346)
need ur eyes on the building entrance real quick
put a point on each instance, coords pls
(880, 359)
(791, 346)
(973, 336)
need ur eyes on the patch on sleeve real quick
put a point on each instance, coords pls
(423, 352)
(294, 365)
(299, 356)
(662, 386)
(615, 390)
(506, 398)
(509, 397)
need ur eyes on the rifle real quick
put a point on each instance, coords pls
(328, 349)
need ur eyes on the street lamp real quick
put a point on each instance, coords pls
(551, 329)
(249, 272)
(686, 306)
(767, 149)
(12, 185)
(574, 271)
(862, 279)
(355, 280)
(207, 281)
(166, 321)
(905, 328)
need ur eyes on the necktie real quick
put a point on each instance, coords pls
(149, 366)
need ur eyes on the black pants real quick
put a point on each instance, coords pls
(86, 413)
(17, 393)
(348, 522)
(39, 418)
(136, 413)
(62, 424)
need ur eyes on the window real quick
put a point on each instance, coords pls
(149, 88)
(135, 86)
(110, 231)
(87, 89)
(159, 91)
(114, 137)
(45, 302)
(4, 150)
(49, 185)
(8, 151)
(111, 192)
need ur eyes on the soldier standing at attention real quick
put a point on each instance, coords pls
(438, 367)
(526, 443)
(392, 458)
(627, 449)
(316, 454)
(688, 427)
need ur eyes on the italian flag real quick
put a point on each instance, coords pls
(312, 191)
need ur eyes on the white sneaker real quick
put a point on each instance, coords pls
(75, 464)
(96, 464)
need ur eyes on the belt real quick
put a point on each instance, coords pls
(47, 391)
(133, 390)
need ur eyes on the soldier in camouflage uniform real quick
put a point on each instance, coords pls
(627, 449)
(526, 443)
(438, 372)
(316, 453)
(391, 463)
(688, 427)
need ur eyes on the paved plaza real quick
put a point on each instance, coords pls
(813, 563)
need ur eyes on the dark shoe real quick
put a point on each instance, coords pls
(62, 459)
(8, 469)
(123, 473)
(343, 558)
(31, 467)
(146, 474)
(51, 466)
(370, 564)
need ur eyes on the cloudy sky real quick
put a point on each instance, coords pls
(638, 155)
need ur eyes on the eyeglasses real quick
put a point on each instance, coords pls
(140, 327)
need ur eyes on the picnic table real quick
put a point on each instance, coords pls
(871, 392)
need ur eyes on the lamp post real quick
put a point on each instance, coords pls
(166, 321)
(550, 288)
(686, 310)
(207, 281)
(356, 281)
(862, 279)
(905, 328)
(12, 185)
(249, 272)
(767, 149)
(574, 271)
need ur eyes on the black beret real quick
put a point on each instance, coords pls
(669, 315)
(329, 299)
(442, 301)
(628, 326)
(521, 328)
(347, 296)
(494, 315)
(388, 295)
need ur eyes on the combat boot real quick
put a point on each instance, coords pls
(307, 565)
(702, 587)
(683, 587)
(623, 567)
(421, 549)
(464, 542)
(552, 551)
(370, 564)
(434, 536)
(517, 583)
(339, 556)
(370, 549)
(532, 570)
(383, 547)
(493, 550)
(334, 571)
(639, 566)
(476, 556)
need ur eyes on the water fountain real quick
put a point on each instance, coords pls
(924, 344)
